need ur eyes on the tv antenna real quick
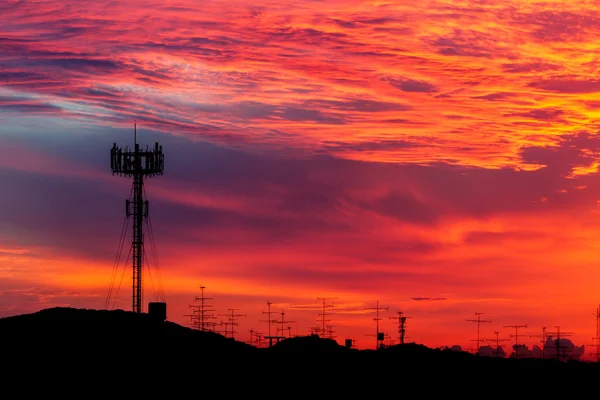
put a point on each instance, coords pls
(232, 320)
(323, 314)
(201, 314)
(497, 341)
(137, 164)
(379, 336)
(270, 321)
(516, 336)
(281, 330)
(560, 354)
(479, 322)
(401, 326)
(543, 339)
(596, 345)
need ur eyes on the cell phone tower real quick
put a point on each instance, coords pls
(516, 336)
(401, 326)
(137, 164)
(479, 321)
(379, 336)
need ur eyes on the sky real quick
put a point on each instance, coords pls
(438, 158)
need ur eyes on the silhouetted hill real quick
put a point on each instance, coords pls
(75, 339)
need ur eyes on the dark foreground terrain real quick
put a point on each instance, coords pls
(75, 342)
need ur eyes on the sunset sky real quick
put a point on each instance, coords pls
(440, 157)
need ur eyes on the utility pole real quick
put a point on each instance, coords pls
(379, 336)
(137, 164)
(479, 322)
(323, 314)
(516, 336)
(401, 326)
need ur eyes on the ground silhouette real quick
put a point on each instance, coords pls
(83, 339)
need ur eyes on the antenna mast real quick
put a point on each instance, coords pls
(323, 314)
(379, 336)
(137, 164)
(232, 321)
(401, 326)
(543, 338)
(596, 353)
(516, 336)
(270, 321)
(202, 313)
(479, 322)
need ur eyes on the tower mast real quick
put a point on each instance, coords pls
(137, 164)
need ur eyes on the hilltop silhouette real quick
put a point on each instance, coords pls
(84, 338)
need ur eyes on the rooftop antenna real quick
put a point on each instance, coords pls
(282, 322)
(401, 326)
(270, 321)
(137, 164)
(596, 353)
(323, 314)
(498, 345)
(560, 354)
(201, 315)
(232, 320)
(379, 336)
(543, 338)
(516, 336)
(479, 322)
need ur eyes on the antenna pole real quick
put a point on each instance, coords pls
(479, 322)
(379, 336)
(516, 336)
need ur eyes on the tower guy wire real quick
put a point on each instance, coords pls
(401, 326)
(379, 336)
(137, 164)
(323, 314)
(516, 336)
(479, 321)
